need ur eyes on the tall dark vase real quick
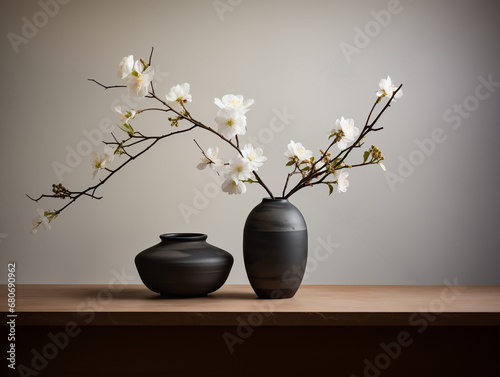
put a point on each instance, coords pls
(183, 264)
(275, 248)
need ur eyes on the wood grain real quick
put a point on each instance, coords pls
(318, 305)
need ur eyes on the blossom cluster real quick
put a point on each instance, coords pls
(231, 121)
(138, 75)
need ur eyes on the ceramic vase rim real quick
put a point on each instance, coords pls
(183, 237)
(276, 199)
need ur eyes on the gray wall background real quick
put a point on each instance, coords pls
(438, 220)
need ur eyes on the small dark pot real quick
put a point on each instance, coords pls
(183, 264)
(275, 248)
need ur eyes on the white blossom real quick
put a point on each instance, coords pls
(109, 152)
(387, 89)
(231, 122)
(125, 117)
(345, 128)
(239, 168)
(213, 159)
(297, 150)
(341, 177)
(233, 186)
(237, 102)
(254, 156)
(125, 67)
(42, 220)
(179, 94)
(138, 81)
(138, 75)
(100, 161)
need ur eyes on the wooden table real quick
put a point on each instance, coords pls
(76, 330)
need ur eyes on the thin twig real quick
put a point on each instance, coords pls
(153, 109)
(288, 178)
(106, 86)
(203, 152)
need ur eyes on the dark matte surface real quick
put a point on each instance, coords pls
(275, 248)
(183, 265)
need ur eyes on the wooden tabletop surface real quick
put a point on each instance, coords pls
(313, 305)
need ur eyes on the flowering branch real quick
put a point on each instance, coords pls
(90, 191)
(344, 132)
(231, 121)
(369, 128)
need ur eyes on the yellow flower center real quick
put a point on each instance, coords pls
(138, 83)
(239, 169)
(236, 103)
(251, 157)
(230, 122)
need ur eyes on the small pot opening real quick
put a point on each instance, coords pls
(276, 199)
(183, 237)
